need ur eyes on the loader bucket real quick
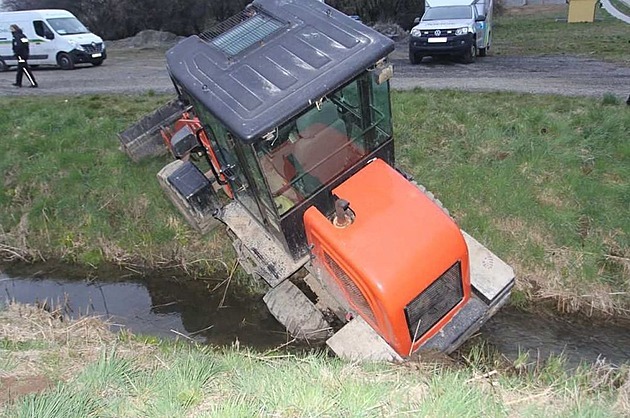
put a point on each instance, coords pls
(144, 138)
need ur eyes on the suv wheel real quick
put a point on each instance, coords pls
(471, 54)
(414, 58)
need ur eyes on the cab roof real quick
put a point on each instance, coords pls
(272, 61)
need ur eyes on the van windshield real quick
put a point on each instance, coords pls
(445, 13)
(67, 26)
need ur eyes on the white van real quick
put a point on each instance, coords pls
(56, 37)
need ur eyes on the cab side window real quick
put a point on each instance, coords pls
(42, 30)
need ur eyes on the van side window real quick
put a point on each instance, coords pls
(41, 29)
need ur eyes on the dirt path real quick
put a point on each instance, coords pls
(127, 71)
(565, 75)
(132, 71)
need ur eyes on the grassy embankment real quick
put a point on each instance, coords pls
(543, 181)
(539, 30)
(68, 193)
(51, 368)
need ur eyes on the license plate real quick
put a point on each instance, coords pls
(437, 40)
(98, 55)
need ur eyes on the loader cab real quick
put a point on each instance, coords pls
(290, 113)
(296, 164)
(294, 98)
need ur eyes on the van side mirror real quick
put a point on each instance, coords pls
(416, 21)
(480, 18)
(49, 35)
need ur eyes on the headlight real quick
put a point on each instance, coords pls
(76, 45)
(416, 32)
(462, 31)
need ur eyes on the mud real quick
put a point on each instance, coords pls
(12, 388)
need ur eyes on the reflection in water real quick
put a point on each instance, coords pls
(159, 306)
(578, 340)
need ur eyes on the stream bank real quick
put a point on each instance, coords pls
(167, 304)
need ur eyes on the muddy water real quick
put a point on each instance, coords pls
(577, 339)
(172, 307)
(161, 306)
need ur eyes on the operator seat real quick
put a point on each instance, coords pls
(321, 151)
(324, 149)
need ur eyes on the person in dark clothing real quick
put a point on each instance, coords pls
(21, 52)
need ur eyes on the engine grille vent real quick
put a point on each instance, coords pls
(435, 302)
(93, 48)
(241, 31)
(356, 297)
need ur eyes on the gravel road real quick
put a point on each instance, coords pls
(130, 71)
(565, 75)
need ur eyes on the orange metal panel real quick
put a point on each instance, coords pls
(195, 125)
(400, 243)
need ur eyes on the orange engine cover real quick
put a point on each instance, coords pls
(402, 264)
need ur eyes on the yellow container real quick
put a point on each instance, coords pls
(582, 10)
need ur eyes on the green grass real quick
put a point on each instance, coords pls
(541, 180)
(91, 372)
(64, 401)
(85, 200)
(542, 32)
(180, 380)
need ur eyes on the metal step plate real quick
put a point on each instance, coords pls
(357, 341)
(489, 275)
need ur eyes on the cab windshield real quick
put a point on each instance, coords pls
(311, 150)
(67, 26)
(445, 13)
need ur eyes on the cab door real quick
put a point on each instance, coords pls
(42, 44)
(6, 53)
(481, 29)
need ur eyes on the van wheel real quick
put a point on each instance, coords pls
(3, 66)
(98, 62)
(65, 61)
(483, 52)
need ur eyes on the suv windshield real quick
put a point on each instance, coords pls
(67, 26)
(444, 13)
(312, 149)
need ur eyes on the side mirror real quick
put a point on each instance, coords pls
(49, 35)
(480, 18)
(416, 21)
